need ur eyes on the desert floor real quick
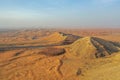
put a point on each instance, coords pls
(60, 54)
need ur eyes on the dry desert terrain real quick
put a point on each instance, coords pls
(60, 54)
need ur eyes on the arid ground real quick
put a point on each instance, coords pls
(60, 54)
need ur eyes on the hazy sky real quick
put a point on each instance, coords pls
(59, 13)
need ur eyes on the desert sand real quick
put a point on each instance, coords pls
(64, 54)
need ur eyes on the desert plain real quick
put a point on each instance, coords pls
(60, 54)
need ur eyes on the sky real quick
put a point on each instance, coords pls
(59, 13)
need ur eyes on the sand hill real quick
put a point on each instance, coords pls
(60, 38)
(93, 47)
(87, 52)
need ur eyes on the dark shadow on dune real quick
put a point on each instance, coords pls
(103, 47)
(18, 53)
(69, 39)
(53, 51)
(115, 43)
